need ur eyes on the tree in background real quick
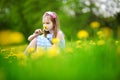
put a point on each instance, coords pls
(25, 15)
(107, 12)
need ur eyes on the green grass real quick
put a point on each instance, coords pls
(87, 62)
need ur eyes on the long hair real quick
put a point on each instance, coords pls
(55, 21)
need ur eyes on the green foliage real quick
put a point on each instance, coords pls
(23, 15)
(89, 62)
(71, 25)
(26, 16)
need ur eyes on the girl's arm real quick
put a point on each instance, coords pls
(35, 34)
(31, 37)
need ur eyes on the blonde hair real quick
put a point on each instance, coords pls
(55, 21)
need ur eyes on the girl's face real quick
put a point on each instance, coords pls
(47, 23)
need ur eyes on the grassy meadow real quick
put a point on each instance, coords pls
(88, 58)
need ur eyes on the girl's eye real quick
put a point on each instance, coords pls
(47, 23)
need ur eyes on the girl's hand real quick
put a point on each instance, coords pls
(38, 31)
(35, 34)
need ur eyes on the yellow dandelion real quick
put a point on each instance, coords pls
(107, 32)
(45, 27)
(16, 37)
(4, 37)
(12, 52)
(94, 24)
(100, 34)
(82, 34)
(31, 50)
(101, 42)
(55, 40)
(9, 37)
(52, 52)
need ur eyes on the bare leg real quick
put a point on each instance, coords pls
(31, 45)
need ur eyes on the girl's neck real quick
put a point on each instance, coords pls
(51, 31)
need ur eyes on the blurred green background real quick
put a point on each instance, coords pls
(25, 16)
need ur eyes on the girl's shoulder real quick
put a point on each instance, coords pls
(60, 33)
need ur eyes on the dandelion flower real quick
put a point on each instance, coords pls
(82, 34)
(107, 32)
(100, 34)
(9, 37)
(45, 27)
(31, 50)
(94, 24)
(16, 37)
(4, 34)
(52, 52)
(55, 40)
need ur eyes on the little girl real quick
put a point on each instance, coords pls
(51, 30)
